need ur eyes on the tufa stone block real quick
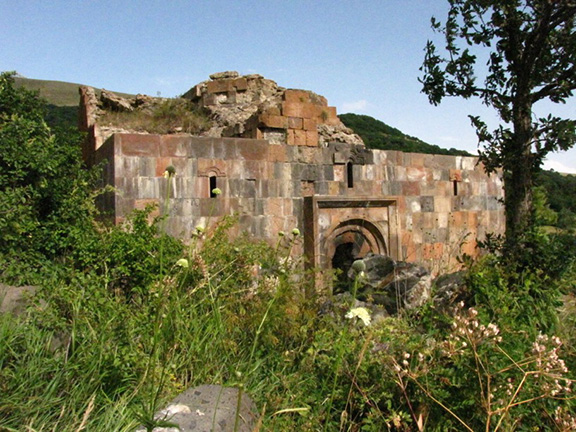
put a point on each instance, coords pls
(296, 96)
(140, 144)
(274, 121)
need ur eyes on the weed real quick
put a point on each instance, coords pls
(168, 116)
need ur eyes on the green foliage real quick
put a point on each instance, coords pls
(62, 116)
(45, 194)
(561, 195)
(378, 135)
(131, 255)
(543, 214)
(235, 313)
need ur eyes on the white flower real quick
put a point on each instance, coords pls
(359, 266)
(182, 262)
(361, 313)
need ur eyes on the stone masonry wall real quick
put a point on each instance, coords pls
(415, 207)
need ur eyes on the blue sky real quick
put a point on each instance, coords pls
(363, 56)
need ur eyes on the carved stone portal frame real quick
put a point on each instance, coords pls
(331, 221)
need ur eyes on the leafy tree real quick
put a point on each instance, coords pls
(531, 49)
(45, 194)
(543, 214)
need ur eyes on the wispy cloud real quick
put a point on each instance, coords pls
(357, 106)
(559, 167)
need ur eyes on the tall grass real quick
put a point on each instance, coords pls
(235, 313)
(167, 116)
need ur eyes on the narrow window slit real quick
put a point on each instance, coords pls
(455, 183)
(350, 174)
(213, 186)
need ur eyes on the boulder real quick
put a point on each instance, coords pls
(450, 289)
(114, 102)
(393, 284)
(208, 408)
(224, 75)
(15, 300)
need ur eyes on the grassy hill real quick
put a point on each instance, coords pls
(58, 93)
(62, 99)
(378, 135)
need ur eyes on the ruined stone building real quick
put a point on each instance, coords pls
(283, 160)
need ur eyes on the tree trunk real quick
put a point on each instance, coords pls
(518, 176)
(518, 198)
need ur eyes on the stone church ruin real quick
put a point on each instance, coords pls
(282, 160)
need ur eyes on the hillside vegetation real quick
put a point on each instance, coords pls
(378, 135)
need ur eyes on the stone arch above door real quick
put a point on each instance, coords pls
(353, 239)
(364, 224)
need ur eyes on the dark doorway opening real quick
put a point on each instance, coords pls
(342, 260)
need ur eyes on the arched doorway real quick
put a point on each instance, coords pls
(351, 240)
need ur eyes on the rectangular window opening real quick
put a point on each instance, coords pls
(213, 186)
(350, 174)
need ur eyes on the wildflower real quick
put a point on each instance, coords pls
(361, 313)
(281, 234)
(359, 266)
(182, 262)
(200, 228)
(295, 232)
(169, 172)
(216, 191)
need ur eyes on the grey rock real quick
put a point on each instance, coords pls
(393, 284)
(450, 289)
(115, 102)
(337, 133)
(223, 75)
(15, 300)
(208, 408)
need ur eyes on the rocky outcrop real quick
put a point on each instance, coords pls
(252, 106)
(449, 290)
(209, 408)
